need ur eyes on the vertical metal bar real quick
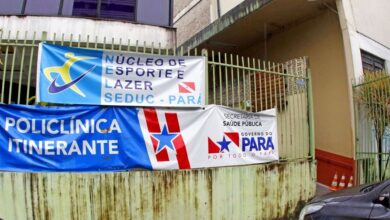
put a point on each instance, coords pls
(87, 43)
(206, 92)
(255, 84)
(62, 39)
(79, 41)
(274, 86)
(249, 85)
(152, 49)
(294, 114)
(285, 122)
(301, 110)
(232, 77)
(71, 40)
(21, 68)
(5, 68)
(54, 40)
(213, 70)
(112, 44)
(96, 42)
(244, 82)
(226, 81)
(280, 84)
(120, 44)
(311, 112)
(30, 69)
(238, 81)
(220, 78)
(265, 85)
(280, 109)
(269, 85)
(261, 73)
(11, 81)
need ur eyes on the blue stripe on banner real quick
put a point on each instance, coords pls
(71, 138)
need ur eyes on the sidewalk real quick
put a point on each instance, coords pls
(321, 189)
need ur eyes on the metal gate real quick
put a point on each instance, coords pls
(231, 80)
(372, 127)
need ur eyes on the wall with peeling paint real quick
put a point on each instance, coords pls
(267, 191)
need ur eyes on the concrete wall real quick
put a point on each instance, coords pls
(192, 20)
(191, 16)
(86, 27)
(372, 19)
(226, 6)
(365, 26)
(271, 191)
(320, 39)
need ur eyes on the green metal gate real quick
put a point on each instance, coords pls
(224, 193)
(372, 127)
(231, 80)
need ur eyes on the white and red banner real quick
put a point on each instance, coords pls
(211, 137)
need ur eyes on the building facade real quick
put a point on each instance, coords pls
(241, 192)
(341, 38)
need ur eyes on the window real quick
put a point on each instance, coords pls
(372, 62)
(150, 12)
(11, 7)
(156, 12)
(34, 7)
(118, 9)
(85, 8)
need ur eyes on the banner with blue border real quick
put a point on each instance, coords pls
(97, 77)
(95, 138)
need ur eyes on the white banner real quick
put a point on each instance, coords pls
(215, 136)
(80, 76)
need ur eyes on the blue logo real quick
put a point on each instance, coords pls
(70, 74)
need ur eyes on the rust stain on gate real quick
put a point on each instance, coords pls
(247, 192)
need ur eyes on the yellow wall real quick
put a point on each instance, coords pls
(320, 39)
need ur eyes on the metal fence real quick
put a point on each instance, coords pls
(239, 82)
(372, 122)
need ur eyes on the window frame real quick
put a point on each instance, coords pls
(98, 12)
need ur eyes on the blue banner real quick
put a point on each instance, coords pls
(71, 138)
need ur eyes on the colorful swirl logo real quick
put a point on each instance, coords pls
(64, 72)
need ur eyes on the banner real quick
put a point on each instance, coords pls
(93, 138)
(81, 76)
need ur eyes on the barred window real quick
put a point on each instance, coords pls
(372, 62)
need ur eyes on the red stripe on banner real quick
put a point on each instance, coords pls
(163, 154)
(181, 153)
(178, 142)
(173, 122)
(235, 137)
(154, 127)
(152, 120)
(213, 147)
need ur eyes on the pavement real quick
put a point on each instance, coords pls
(321, 189)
